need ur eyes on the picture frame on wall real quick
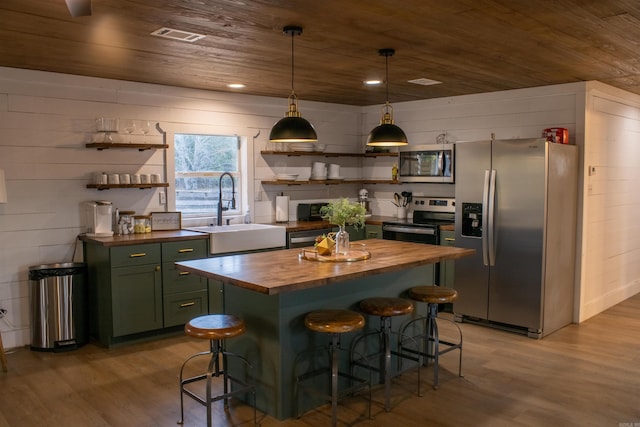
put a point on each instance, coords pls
(166, 221)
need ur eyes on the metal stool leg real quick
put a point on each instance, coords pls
(335, 344)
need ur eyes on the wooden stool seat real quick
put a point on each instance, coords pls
(433, 294)
(334, 321)
(386, 306)
(215, 327)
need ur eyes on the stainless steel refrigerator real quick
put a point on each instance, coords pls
(516, 206)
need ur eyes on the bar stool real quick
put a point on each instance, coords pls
(385, 308)
(434, 295)
(215, 328)
(335, 323)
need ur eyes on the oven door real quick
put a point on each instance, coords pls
(407, 233)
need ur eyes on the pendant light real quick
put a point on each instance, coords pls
(386, 134)
(293, 128)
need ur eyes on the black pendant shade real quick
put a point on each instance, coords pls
(292, 128)
(387, 134)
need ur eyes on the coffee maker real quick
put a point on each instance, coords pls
(98, 219)
(363, 195)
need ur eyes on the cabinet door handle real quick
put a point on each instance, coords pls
(449, 239)
(184, 273)
(138, 255)
(184, 251)
(187, 304)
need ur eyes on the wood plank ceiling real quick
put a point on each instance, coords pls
(471, 46)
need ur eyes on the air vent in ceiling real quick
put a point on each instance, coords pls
(170, 33)
(425, 82)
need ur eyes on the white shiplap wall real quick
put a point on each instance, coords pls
(46, 118)
(45, 121)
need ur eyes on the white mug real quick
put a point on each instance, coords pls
(125, 178)
(100, 178)
(155, 178)
(135, 178)
(114, 178)
(144, 178)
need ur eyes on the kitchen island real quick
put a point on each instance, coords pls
(272, 291)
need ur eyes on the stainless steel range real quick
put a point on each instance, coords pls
(429, 213)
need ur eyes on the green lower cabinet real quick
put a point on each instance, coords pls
(373, 231)
(216, 296)
(182, 307)
(447, 238)
(137, 299)
(135, 290)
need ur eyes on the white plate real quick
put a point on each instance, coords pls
(301, 147)
(286, 177)
(318, 178)
(337, 178)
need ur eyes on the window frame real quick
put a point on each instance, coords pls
(246, 170)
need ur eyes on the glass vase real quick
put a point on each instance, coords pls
(342, 241)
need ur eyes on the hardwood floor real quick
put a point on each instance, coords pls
(582, 375)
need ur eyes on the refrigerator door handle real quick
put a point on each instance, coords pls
(491, 221)
(485, 218)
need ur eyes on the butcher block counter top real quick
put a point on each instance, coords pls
(153, 237)
(283, 271)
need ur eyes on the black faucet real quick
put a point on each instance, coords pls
(233, 196)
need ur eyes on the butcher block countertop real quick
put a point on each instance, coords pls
(153, 237)
(284, 271)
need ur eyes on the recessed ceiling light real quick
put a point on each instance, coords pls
(372, 82)
(425, 82)
(236, 85)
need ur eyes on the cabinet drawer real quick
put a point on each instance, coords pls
(180, 308)
(176, 281)
(128, 256)
(184, 250)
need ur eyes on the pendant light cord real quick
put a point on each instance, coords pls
(292, 59)
(386, 60)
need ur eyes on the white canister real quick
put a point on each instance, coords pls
(125, 178)
(402, 212)
(319, 170)
(135, 178)
(155, 178)
(145, 178)
(334, 171)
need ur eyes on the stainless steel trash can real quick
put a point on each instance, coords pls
(58, 306)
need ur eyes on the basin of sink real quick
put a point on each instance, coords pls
(243, 237)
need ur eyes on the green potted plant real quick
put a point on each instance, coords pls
(343, 212)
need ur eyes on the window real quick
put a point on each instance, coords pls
(200, 161)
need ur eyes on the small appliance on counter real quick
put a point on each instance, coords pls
(363, 196)
(309, 211)
(98, 218)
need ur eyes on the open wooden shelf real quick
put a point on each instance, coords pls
(327, 154)
(140, 186)
(140, 147)
(330, 182)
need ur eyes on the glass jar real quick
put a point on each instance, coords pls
(125, 222)
(139, 224)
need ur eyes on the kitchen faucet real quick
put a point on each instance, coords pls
(233, 196)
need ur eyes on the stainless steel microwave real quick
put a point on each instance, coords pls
(427, 163)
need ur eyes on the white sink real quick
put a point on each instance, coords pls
(243, 237)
